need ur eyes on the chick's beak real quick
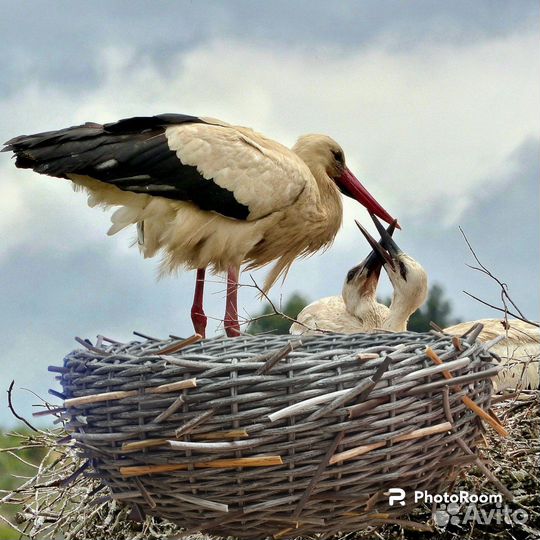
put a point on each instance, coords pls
(379, 255)
(387, 242)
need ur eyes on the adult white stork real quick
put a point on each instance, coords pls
(519, 351)
(206, 193)
(357, 309)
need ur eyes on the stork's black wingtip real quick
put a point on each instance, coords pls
(11, 144)
(8, 145)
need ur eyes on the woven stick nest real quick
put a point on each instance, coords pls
(269, 436)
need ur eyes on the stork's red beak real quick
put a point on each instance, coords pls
(352, 187)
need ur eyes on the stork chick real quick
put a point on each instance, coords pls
(205, 193)
(519, 351)
(357, 309)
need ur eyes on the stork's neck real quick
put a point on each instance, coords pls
(409, 293)
(361, 308)
(368, 311)
(398, 317)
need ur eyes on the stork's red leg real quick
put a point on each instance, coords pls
(232, 328)
(197, 313)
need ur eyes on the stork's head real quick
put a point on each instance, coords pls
(325, 157)
(361, 282)
(408, 277)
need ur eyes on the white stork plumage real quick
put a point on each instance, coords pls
(519, 351)
(357, 309)
(204, 192)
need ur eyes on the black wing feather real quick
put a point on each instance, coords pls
(131, 154)
(143, 123)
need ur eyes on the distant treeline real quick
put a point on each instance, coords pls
(437, 309)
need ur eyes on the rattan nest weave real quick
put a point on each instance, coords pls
(271, 435)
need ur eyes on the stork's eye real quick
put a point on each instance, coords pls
(338, 156)
(352, 272)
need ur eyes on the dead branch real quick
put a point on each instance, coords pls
(275, 310)
(11, 408)
(505, 296)
(503, 310)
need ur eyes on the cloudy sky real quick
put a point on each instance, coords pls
(435, 103)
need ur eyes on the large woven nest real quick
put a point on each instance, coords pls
(264, 436)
